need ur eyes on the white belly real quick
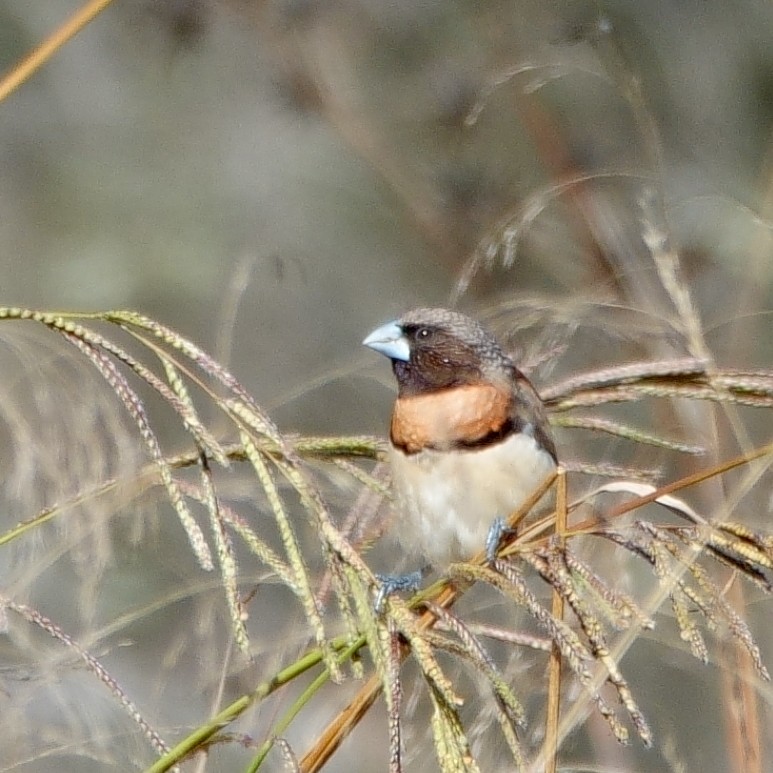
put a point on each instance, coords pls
(447, 501)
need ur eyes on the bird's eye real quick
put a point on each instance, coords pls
(424, 333)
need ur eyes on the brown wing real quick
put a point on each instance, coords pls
(528, 413)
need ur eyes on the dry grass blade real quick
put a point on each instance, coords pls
(393, 695)
(574, 653)
(177, 396)
(618, 607)
(631, 373)
(301, 580)
(33, 616)
(551, 564)
(740, 548)
(508, 579)
(136, 408)
(246, 533)
(591, 525)
(451, 746)
(131, 320)
(226, 557)
(408, 626)
(626, 432)
(707, 597)
(376, 632)
(541, 552)
(608, 470)
(478, 656)
(681, 378)
(34, 61)
(189, 415)
(509, 712)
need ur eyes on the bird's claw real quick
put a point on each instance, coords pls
(497, 530)
(394, 583)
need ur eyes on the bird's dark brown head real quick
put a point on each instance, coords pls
(435, 349)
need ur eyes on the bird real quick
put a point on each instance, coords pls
(469, 439)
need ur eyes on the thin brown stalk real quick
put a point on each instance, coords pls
(742, 726)
(37, 58)
(345, 721)
(550, 747)
(591, 524)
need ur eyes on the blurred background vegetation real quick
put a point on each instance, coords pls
(273, 179)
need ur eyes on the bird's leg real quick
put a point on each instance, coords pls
(496, 532)
(394, 583)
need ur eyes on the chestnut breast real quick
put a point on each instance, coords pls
(459, 416)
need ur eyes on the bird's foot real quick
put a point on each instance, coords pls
(395, 583)
(496, 532)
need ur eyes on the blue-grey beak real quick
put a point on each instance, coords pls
(389, 340)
